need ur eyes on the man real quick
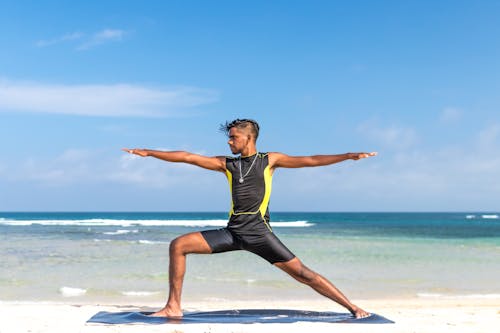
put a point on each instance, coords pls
(250, 177)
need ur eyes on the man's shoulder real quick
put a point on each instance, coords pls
(274, 154)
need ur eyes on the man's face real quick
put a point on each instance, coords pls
(238, 140)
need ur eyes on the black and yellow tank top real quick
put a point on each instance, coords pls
(250, 198)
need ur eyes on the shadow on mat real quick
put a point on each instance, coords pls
(237, 317)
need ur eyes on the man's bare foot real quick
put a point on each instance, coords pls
(360, 313)
(168, 312)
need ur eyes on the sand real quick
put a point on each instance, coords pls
(411, 315)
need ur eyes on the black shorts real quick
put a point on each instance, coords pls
(265, 245)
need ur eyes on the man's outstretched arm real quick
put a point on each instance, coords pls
(279, 160)
(216, 163)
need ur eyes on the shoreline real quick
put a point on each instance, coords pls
(410, 315)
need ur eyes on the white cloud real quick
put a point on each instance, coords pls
(393, 137)
(450, 177)
(85, 41)
(73, 167)
(131, 169)
(450, 115)
(488, 136)
(101, 99)
(91, 179)
(439, 180)
(58, 40)
(101, 37)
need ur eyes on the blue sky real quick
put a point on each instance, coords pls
(417, 81)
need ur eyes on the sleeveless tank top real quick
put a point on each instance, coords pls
(249, 211)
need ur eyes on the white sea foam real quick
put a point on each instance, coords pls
(120, 232)
(120, 223)
(489, 216)
(294, 224)
(140, 241)
(139, 293)
(148, 242)
(72, 292)
(127, 223)
(483, 216)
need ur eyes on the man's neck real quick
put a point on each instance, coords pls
(248, 152)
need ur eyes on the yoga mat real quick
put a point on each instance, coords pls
(237, 317)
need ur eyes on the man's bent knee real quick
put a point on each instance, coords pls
(176, 246)
(189, 243)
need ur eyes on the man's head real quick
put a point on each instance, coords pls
(248, 125)
(241, 132)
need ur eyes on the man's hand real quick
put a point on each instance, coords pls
(140, 152)
(357, 156)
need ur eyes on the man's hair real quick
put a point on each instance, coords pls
(241, 124)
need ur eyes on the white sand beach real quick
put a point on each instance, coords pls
(410, 315)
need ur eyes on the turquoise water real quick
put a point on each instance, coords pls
(123, 257)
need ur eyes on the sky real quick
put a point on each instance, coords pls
(416, 81)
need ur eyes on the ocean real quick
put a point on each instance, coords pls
(123, 257)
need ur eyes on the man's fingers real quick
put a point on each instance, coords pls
(365, 155)
(130, 151)
(136, 151)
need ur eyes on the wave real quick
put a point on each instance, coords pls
(139, 293)
(103, 240)
(120, 232)
(293, 224)
(483, 216)
(148, 242)
(129, 223)
(489, 216)
(118, 223)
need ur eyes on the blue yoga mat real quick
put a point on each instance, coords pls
(236, 317)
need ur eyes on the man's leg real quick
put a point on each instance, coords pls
(319, 283)
(179, 248)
